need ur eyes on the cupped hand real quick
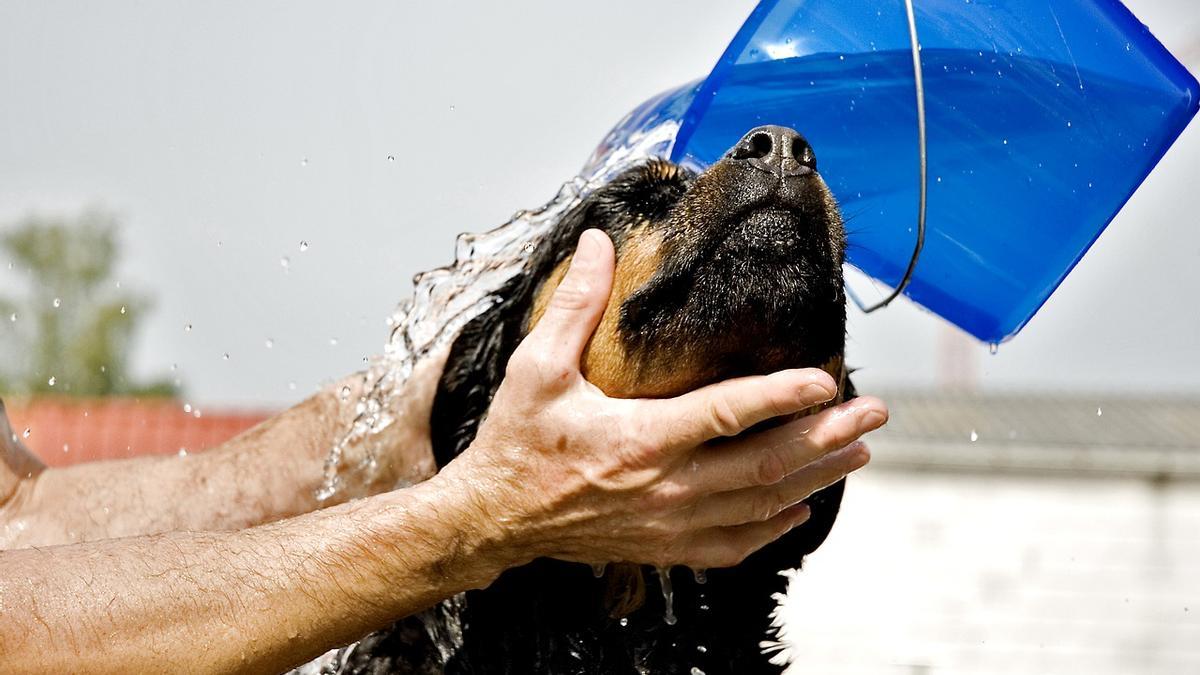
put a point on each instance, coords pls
(559, 469)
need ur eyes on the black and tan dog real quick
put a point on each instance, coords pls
(735, 271)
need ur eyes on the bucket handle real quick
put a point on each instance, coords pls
(922, 157)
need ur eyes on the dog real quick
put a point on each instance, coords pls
(734, 271)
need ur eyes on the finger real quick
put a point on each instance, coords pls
(576, 306)
(767, 457)
(758, 504)
(729, 546)
(730, 407)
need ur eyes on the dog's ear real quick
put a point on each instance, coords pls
(478, 356)
(475, 366)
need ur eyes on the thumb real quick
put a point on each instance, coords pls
(575, 309)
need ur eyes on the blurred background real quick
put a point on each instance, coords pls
(207, 210)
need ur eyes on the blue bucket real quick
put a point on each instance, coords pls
(1041, 117)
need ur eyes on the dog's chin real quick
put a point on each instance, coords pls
(764, 236)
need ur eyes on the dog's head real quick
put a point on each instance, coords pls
(735, 271)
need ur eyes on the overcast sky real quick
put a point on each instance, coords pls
(224, 134)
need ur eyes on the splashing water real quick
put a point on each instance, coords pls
(447, 298)
(443, 301)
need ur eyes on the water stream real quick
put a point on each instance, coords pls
(447, 298)
(443, 301)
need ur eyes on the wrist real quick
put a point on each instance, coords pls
(472, 547)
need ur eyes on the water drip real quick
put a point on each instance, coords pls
(668, 593)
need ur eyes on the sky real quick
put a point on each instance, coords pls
(225, 134)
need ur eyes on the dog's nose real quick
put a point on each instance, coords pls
(777, 150)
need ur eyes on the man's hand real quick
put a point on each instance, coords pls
(558, 469)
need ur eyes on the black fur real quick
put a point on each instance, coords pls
(751, 276)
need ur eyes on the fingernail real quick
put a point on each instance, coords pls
(873, 419)
(800, 513)
(818, 392)
(588, 249)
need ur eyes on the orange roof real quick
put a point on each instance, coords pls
(63, 430)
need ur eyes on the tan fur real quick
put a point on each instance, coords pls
(604, 361)
(606, 365)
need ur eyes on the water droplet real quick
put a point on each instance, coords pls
(284, 262)
(598, 569)
(122, 309)
(52, 381)
(1068, 123)
(993, 348)
(187, 327)
(1128, 47)
(345, 393)
(841, 57)
(701, 576)
(66, 447)
(939, 179)
(702, 649)
(291, 386)
(57, 303)
(1099, 412)
(624, 622)
(696, 671)
(183, 452)
(174, 367)
(1006, 141)
(28, 433)
(391, 158)
(13, 317)
(220, 243)
(332, 342)
(529, 247)
(303, 161)
(303, 246)
(668, 593)
(451, 107)
(269, 343)
(225, 356)
(187, 408)
(974, 436)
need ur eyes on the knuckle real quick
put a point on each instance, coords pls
(722, 416)
(771, 468)
(664, 498)
(766, 506)
(830, 435)
(572, 294)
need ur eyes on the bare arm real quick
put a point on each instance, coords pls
(557, 469)
(269, 472)
(259, 600)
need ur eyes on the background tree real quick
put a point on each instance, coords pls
(70, 330)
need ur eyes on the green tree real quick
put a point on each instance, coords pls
(70, 331)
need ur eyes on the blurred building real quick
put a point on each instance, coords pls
(1031, 535)
(63, 431)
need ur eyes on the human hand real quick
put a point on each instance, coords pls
(559, 469)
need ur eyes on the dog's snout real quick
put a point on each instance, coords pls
(777, 150)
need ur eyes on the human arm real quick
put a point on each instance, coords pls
(269, 472)
(557, 470)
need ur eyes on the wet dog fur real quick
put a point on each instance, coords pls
(735, 271)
